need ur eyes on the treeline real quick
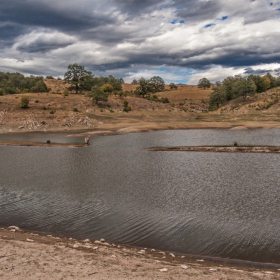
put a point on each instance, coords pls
(238, 86)
(11, 83)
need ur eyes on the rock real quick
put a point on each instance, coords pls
(142, 252)
(21, 127)
(200, 260)
(182, 257)
(95, 248)
(153, 250)
(184, 266)
(97, 242)
(172, 255)
(29, 240)
(163, 270)
(48, 141)
(75, 246)
(157, 261)
(12, 230)
(102, 240)
(14, 227)
(113, 256)
(87, 241)
(163, 253)
(212, 269)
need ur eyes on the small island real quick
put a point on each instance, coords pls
(228, 149)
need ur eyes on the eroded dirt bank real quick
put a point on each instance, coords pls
(25, 255)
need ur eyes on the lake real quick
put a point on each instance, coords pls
(214, 204)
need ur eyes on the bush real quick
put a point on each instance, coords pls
(126, 108)
(75, 110)
(24, 102)
(65, 92)
(165, 100)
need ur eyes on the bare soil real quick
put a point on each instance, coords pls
(25, 255)
(188, 108)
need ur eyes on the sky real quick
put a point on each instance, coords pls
(181, 41)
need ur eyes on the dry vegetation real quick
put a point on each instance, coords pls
(61, 109)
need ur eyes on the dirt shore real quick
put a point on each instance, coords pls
(25, 255)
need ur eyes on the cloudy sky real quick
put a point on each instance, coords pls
(179, 40)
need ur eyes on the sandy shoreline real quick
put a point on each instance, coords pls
(26, 255)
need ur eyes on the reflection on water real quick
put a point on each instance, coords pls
(214, 204)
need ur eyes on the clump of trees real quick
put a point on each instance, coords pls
(11, 83)
(148, 86)
(82, 79)
(238, 86)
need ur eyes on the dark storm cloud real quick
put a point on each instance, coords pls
(18, 17)
(260, 72)
(197, 10)
(43, 45)
(138, 7)
(119, 34)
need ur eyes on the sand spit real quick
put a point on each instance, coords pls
(228, 149)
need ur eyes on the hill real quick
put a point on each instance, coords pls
(187, 108)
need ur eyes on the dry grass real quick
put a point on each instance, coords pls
(188, 108)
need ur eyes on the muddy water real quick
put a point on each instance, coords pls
(214, 204)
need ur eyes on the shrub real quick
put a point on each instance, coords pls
(24, 102)
(65, 92)
(126, 108)
(164, 100)
(52, 112)
(75, 110)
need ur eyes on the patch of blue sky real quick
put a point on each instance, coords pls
(177, 75)
(224, 17)
(177, 21)
(209, 25)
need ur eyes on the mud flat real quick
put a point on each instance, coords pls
(227, 149)
(40, 144)
(27, 255)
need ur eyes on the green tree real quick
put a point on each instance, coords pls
(76, 74)
(217, 97)
(134, 82)
(157, 84)
(204, 83)
(273, 80)
(144, 87)
(98, 94)
(245, 87)
(173, 86)
(259, 82)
